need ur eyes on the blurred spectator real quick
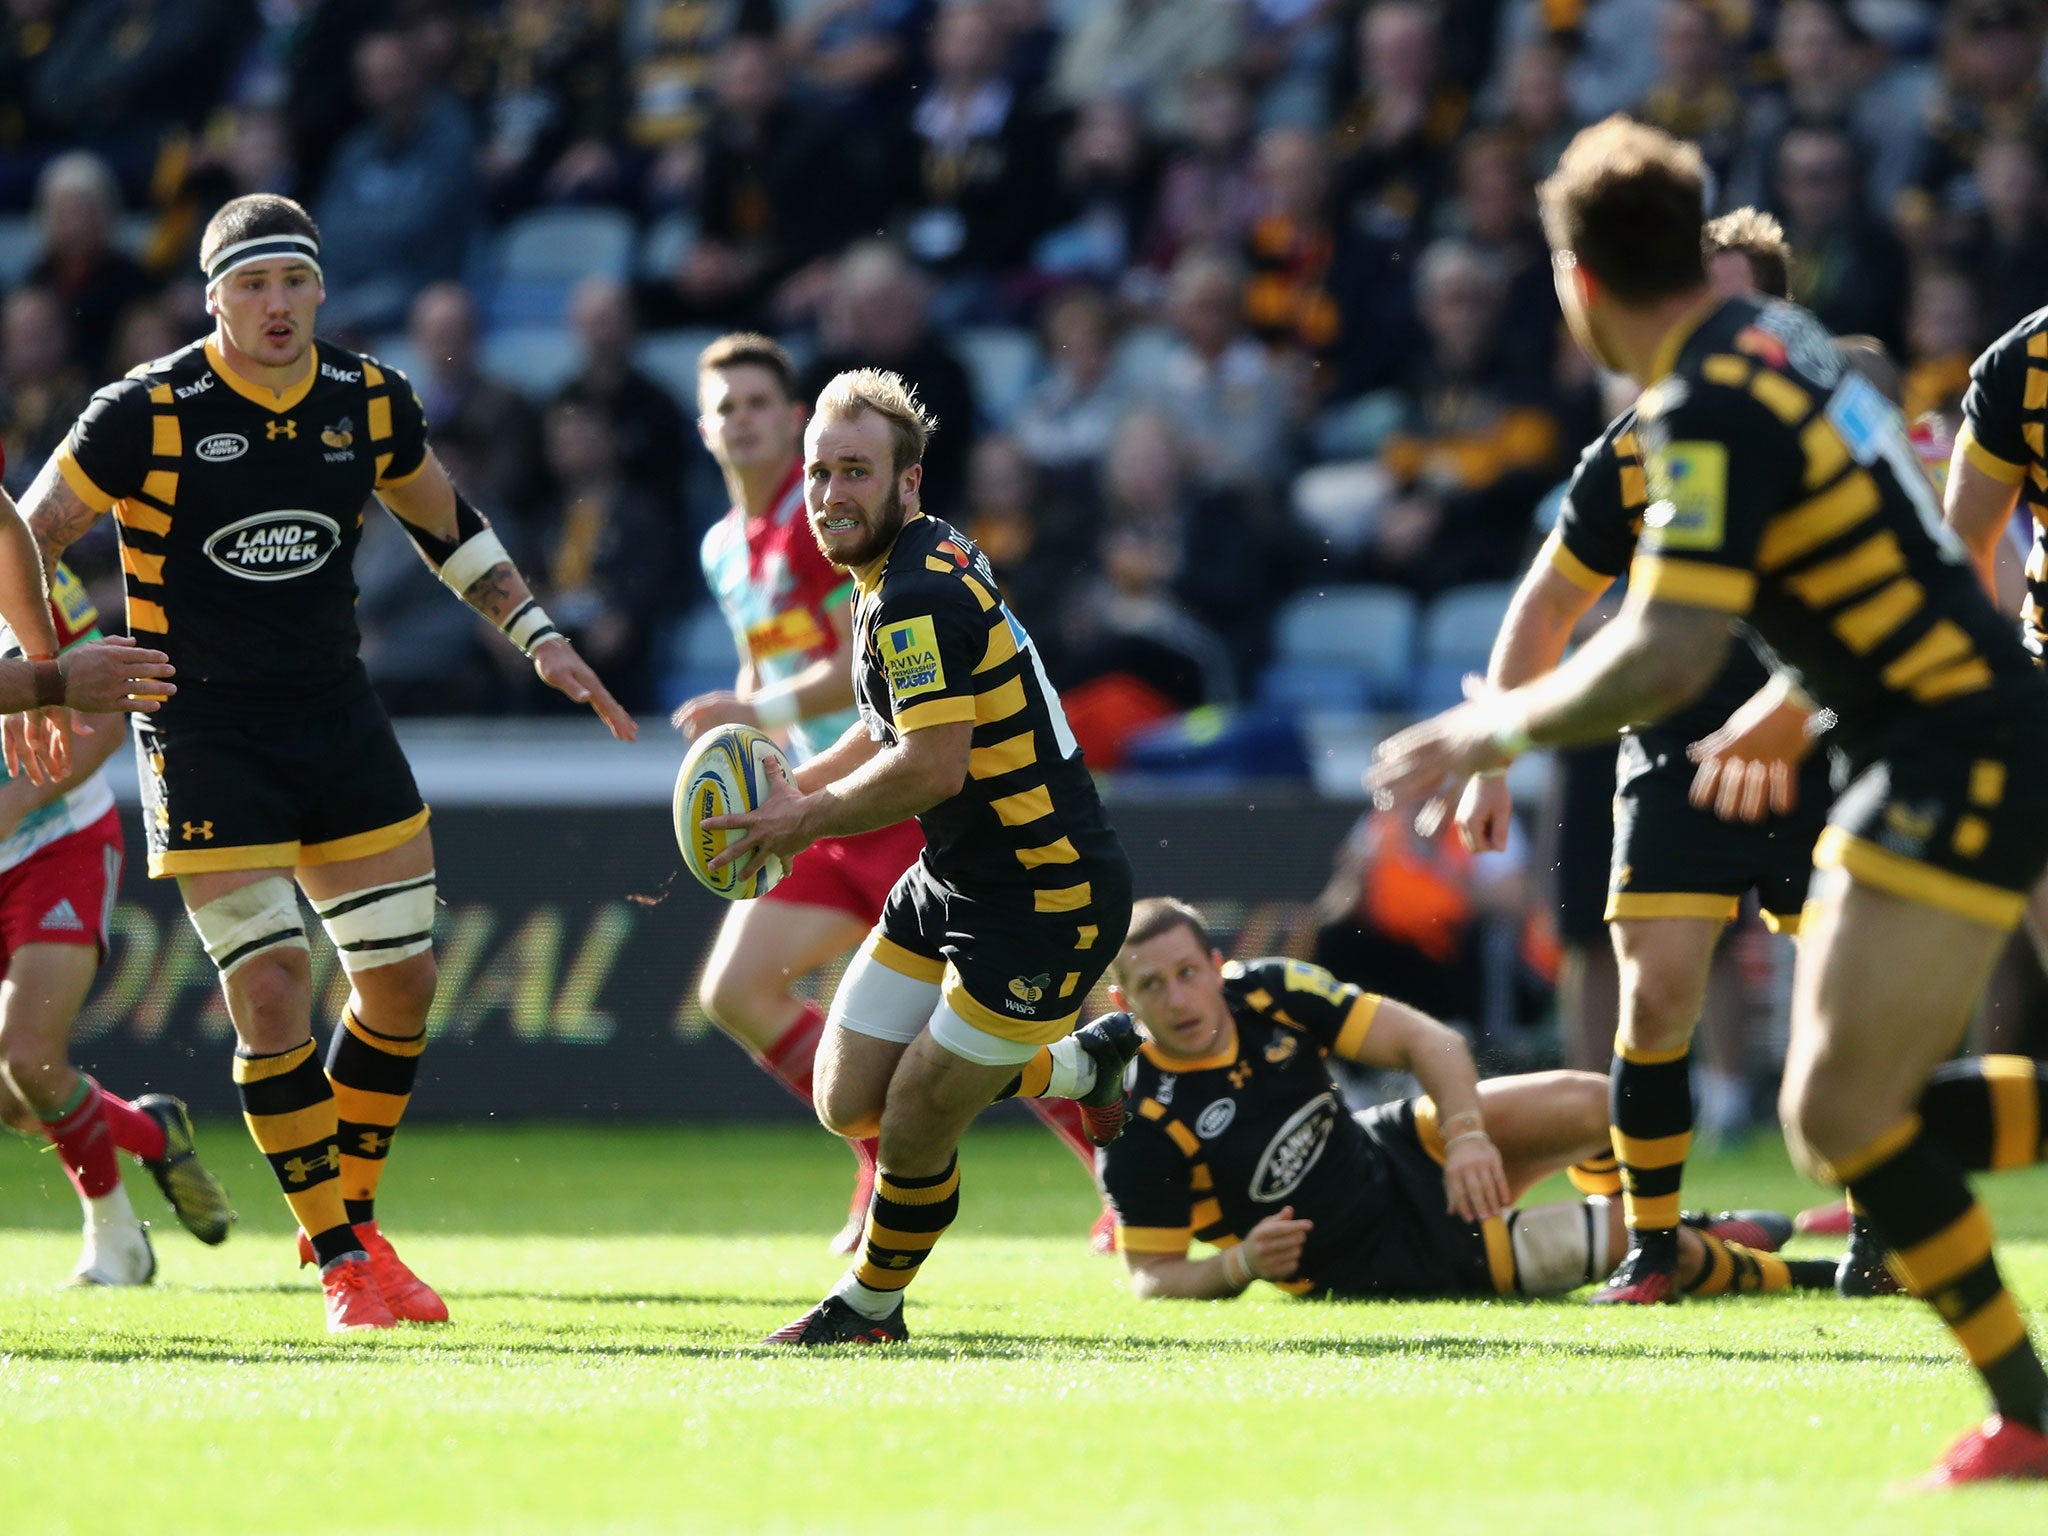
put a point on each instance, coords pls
(77, 203)
(859, 57)
(1496, 213)
(1214, 553)
(120, 73)
(762, 219)
(1292, 247)
(147, 332)
(492, 427)
(41, 389)
(1991, 85)
(1537, 105)
(1036, 538)
(27, 28)
(672, 45)
(1944, 333)
(399, 203)
(1290, 48)
(1074, 410)
(1392, 143)
(1103, 202)
(1217, 382)
(1206, 195)
(1145, 50)
(649, 432)
(603, 552)
(878, 316)
(1831, 73)
(2006, 241)
(1477, 445)
(556, 104)
(971, 164)
(426, 652)
(1846, 266)
(1611, 66)
(1031, 40)
(1694, 97)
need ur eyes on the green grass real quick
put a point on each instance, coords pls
(601, 1373)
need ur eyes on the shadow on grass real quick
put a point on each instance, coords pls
(562, 1298)
(543, 1341)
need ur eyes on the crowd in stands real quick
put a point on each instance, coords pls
(1218, 302)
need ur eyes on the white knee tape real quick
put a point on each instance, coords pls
(381, 924)
(1559, 1247)
(241, 925)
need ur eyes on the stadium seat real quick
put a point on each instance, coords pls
(664, 246)
(670, 358)
(701, 656)
(544, 254)
(20, 244)
(1457, 637)
(536, 360)
(1341, 502)
(1342, 648)
(1002, 362)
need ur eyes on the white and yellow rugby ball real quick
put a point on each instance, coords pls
(725, 774)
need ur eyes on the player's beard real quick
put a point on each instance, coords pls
(887, 523)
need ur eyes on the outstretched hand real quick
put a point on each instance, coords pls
(1475, 1178)
(1418, 768)
(559, 666)
(1749, 768)
(1272, 1249)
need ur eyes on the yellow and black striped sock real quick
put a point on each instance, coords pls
(372, 1076)
(1599, 1175)
(1941, 1247)
(1735, 1269)
(1989, 1111)
(1031, 1081)
(290, 1110)
(906, 1219)
(1650, 1105)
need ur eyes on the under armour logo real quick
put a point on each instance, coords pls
(1240, 1074)
(276, 429)
(900, 1261)
(374, 1145)
(299, 1169)
(203, 830)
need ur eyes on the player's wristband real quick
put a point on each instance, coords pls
(49, 681)
(527, 625)
(1510, 735)
(777, 708)
(1467, 1136)
(1237, 1269)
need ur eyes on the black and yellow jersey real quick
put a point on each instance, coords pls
(1216, 1145)
(2005, 434)
(1783, 490)
(1597, 528)
(938, 645)
(240, 511)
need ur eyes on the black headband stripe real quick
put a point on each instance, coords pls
(263, 248)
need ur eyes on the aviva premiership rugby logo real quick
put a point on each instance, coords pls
(1294, 1150)
(910, 655)
(275, 546)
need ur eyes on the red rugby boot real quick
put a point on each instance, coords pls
(354, 1304)
(1102, 1236)
(410, 1298)
(2000, 1450)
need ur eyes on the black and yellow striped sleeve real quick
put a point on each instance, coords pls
(106, 456)
(2008, 382)
(1335, 1014)
(1150, 1191)
(929, 640)
(396, 423)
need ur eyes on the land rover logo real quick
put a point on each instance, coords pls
(1294, 1149)
(1215, 1120)
(275, 546)
(221, 447)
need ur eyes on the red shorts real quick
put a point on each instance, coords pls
(64, 894)
(851, 874)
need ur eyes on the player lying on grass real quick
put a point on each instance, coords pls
(1240, 1138)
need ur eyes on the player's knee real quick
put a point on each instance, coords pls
(398, 994)
(735, 999)
(270, 999)
(1659, 1006)
(1817, 1131)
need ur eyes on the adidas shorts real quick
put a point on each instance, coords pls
(64, 893)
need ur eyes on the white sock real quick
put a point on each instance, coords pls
(870, 1303)
(1073, 1070)
(111, 1209)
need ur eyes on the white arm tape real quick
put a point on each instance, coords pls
(529, 626)
(473, 557)
(777, 707)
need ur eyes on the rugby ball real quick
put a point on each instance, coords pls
(725, 774)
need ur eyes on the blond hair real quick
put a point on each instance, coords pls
(892, 398)
(1627, 200)
(1759, 240)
